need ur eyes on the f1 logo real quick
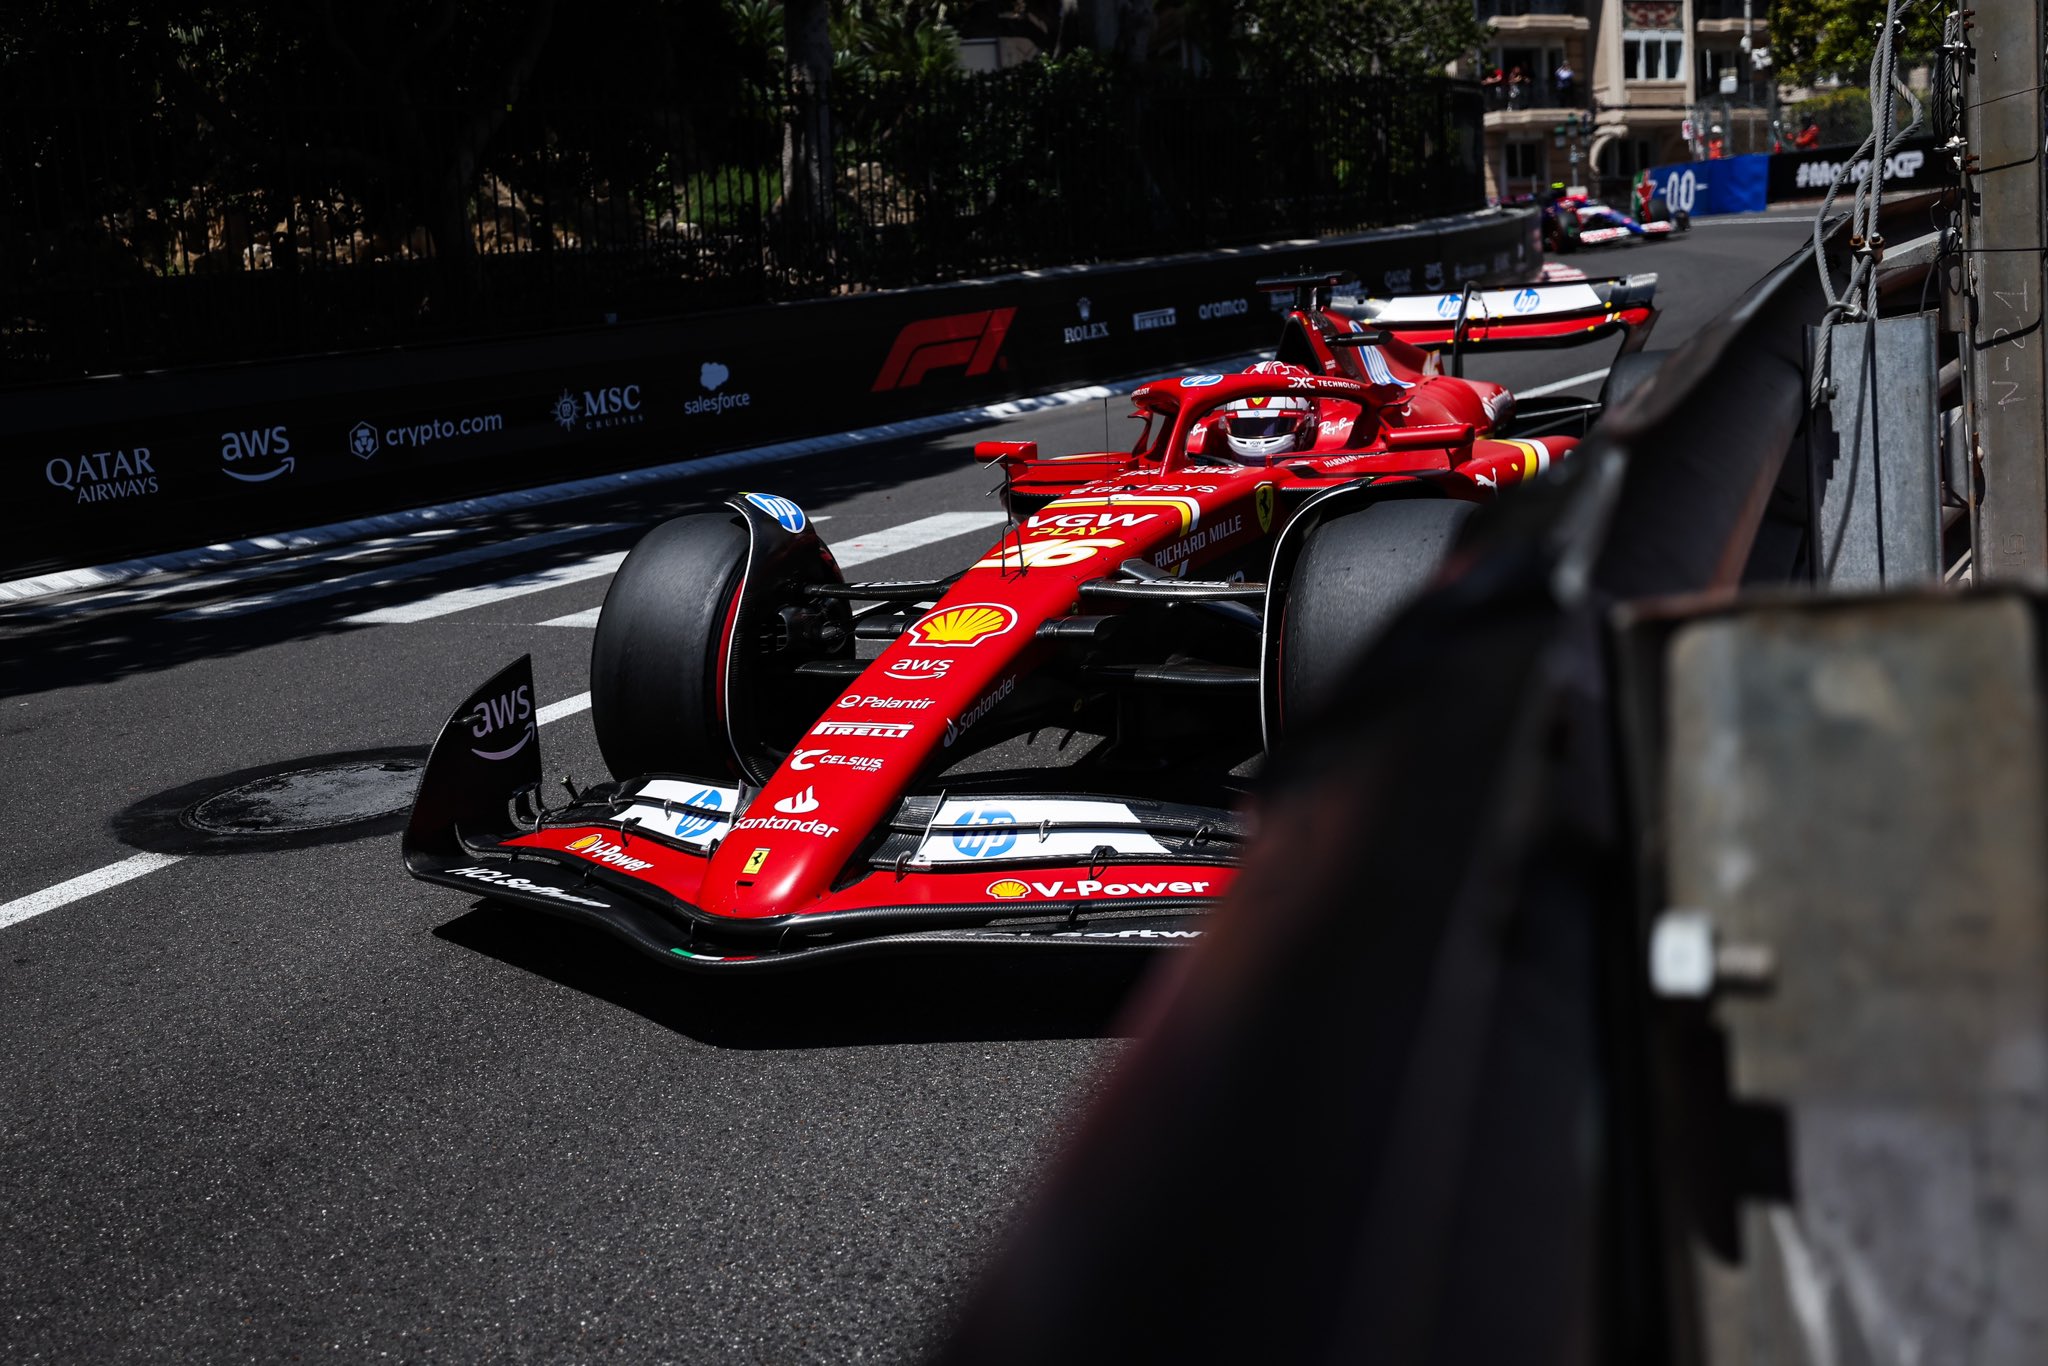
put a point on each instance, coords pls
(969, 339)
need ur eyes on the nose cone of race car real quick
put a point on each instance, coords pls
(846, 776)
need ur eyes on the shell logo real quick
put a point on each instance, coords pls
(587, 842)
(1008, 889)
(968, 624)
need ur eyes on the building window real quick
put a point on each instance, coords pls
(1525, 160)
(1717, 64)
(1652, 55)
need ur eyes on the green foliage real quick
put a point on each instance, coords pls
(1291, 39)
(1843, 115)
(732, 198)
(1815, 40)
(905, 39)
(756, 30)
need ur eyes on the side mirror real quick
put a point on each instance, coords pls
(1013, 452)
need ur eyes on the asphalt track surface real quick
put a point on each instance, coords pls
(288, 1104)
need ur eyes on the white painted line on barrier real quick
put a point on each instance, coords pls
(855, 550)
(136, 865)
(462, 599)
(390, 574)
(1561, 385)
(1726, 220)
(84, 885)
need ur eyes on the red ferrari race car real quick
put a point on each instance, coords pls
(781, 797)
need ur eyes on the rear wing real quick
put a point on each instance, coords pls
(1562, 314)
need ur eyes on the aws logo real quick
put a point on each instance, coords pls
(494, 716)
(264, 443)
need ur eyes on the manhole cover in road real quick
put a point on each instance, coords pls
(305, 799)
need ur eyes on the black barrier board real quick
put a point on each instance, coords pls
(106, 469)
(1807, 175)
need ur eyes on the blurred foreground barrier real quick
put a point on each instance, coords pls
(1628, 971)
(121, 466)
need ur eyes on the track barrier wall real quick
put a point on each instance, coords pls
(1750, 184)
(107, 468)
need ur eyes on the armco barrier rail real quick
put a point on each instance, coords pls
(1749, 184)
(103, 469)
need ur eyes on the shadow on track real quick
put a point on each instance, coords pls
(916, 999)
(44, 647)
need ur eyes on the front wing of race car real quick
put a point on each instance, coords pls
(1067, 871)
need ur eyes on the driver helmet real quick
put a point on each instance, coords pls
(1257, 429)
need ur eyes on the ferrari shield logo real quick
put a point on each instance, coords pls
(1262, 503)
(755, 860)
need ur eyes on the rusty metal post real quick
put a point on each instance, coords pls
(2002, 232)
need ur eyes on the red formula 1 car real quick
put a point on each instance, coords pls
(783, 797)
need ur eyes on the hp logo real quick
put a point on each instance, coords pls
(986, 843)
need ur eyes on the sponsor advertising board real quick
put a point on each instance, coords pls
(126, 466)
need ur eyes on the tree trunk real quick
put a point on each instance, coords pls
(807, 171)
(445, 205)
(1134, 26)
(1095, 23)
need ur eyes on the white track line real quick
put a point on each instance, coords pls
(924, 531)
(85, 884)
(1561, 385)
(856, 550)
(128, 869)
(389, 574)
(462, 599)
(568, 706)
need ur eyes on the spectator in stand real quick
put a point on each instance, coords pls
(1717, 147)
(1565, 77)
(1517, 82)
(1809, 136)
(1493, 82)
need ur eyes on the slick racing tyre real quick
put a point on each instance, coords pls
(1355, 574)
(654, 684)
(1561, 234)
(1659, 209)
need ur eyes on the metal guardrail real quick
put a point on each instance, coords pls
(127, 466)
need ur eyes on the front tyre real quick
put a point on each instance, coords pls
(655, 689)
(1356, 573)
